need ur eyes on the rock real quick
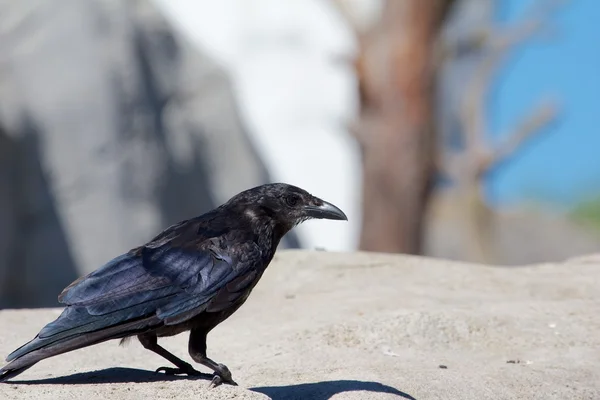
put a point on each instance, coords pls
(325, 325)
(518, 235)
(114, 128)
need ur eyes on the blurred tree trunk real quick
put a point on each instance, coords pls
(397, 74)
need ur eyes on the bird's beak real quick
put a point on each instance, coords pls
(325, 211)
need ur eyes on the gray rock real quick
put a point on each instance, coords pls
(114, 128)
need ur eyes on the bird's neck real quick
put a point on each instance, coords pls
(267, 230)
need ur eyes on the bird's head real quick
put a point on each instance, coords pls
(285, 204)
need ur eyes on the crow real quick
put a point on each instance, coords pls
(190, 277)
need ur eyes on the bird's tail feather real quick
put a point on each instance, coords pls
(6, 373)
(64, 345)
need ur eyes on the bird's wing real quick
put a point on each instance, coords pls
(173, 283)
(127, 274)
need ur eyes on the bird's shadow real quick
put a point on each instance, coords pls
(316, 391)
(326, 389)
(111, 375)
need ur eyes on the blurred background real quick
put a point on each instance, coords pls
(462, 129)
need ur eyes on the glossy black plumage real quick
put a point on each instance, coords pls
(191, 276)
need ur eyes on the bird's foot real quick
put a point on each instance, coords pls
(222, 375)
(189, 370)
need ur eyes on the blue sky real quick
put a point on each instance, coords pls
(561, 165)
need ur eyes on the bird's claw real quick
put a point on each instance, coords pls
(178, 371)
(224, 376)
(218, 380)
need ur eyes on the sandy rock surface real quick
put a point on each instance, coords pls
(361, 326)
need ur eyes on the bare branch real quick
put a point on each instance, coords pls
(500, 42)
(475, 42)
(543, 115)
(473, 110)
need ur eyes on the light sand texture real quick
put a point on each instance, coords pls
(362, 326)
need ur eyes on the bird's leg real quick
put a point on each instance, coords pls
(197, 350)
(150, 342)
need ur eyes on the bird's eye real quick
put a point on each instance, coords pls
(292, 200)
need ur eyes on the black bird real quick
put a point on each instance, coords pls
(190, 277)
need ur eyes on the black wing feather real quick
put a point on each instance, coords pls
(118, 278)
(172, 283)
